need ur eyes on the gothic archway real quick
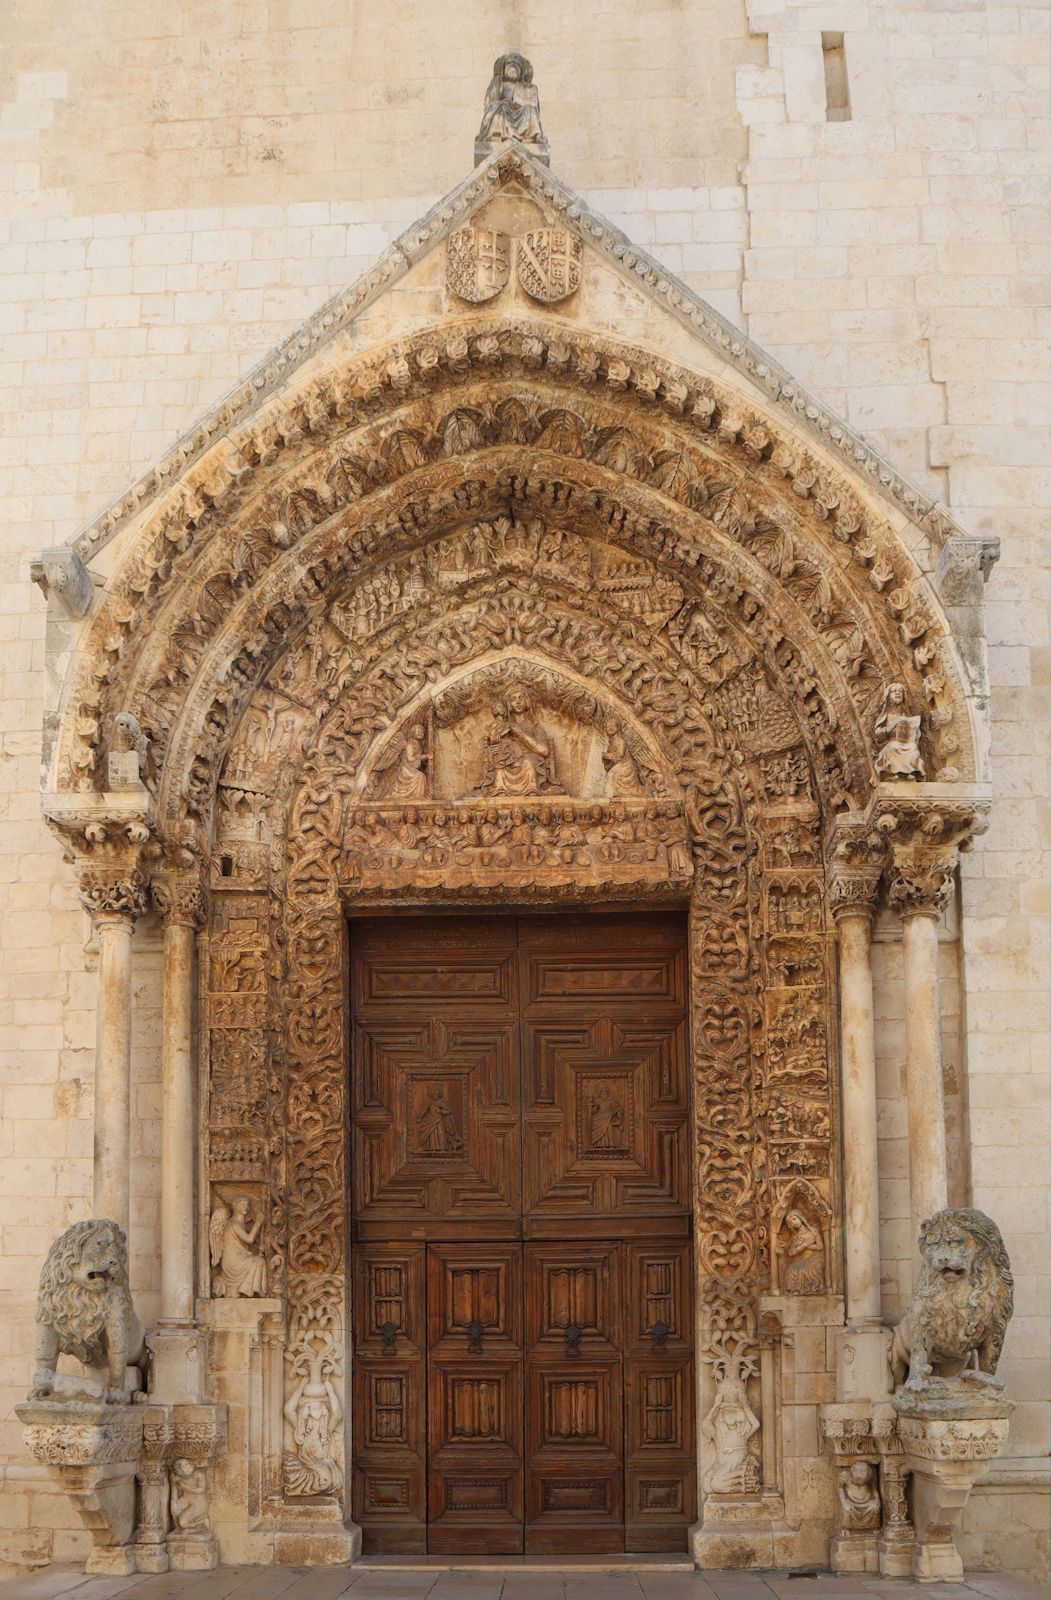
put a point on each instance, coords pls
(723, 628)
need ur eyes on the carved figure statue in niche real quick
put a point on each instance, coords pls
(512, 104)
(404, 770)
(189, 1498)
(622, 773)
(960, 1308)
(313, 1411)
(859, 1498)
(728, 1427)
(436, 1130)
(607, 1119)
(240, 1272)
(802, 1256)
(130, 741)
(898, 737)
(518, 757)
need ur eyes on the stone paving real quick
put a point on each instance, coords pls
(586, 1581)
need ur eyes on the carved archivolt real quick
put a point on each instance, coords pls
(370, 462)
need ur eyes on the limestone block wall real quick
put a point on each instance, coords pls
(181, 192)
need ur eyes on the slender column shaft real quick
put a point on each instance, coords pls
(112, 1174)
(861, 1171)
(177, 1124)
(928, 1164)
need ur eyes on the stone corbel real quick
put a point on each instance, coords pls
(946, 1456)
(93, 1452)
(59, 572)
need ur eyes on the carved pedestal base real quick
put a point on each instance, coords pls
(193, 1552)
(178, 1364)
(946, 1456)
(93, 1453)
(853, 1552)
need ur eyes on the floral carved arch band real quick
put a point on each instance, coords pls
(507, 615)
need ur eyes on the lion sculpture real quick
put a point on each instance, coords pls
(962, 1303)
(84, 1310)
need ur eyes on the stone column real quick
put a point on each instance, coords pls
(114, 899)
(853, 905)
(920, 889)
(855, 869)
(180, 900)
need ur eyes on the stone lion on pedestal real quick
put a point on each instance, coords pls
(961, 1307)
(84, 1310)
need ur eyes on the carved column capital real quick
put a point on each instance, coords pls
(855, 859)
(112, 891)
(180, 898)
(926, 837)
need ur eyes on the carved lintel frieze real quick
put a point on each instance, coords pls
(59, 571)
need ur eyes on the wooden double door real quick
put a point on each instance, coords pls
(523, 1315)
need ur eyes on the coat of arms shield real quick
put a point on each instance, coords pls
(549, 263)
(477, 263)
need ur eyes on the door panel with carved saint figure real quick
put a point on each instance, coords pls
(524, 1363)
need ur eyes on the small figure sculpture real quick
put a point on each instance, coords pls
(512, 109)
(436, 1130)
(129, 754)
(897, 736)
(859, 1497)
(240, 1271)
(622, 773)
(607, 1119)
(518, 758)
(802, 1256)
(410, 780)
(189, 1497)
(84, 1310)
(313, 1411)
(960, 1309)
(729, 1426)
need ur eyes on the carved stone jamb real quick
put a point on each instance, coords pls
(198, 1438)
(856, 853)
(180, 895)
(93, 1453)
(151, 1533)
(927, 826)
(847, 1433)
(898, 1538)
(59, 571)
(105, 836)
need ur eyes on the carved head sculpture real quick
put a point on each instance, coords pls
(512, 68)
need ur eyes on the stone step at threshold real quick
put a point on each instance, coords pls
(658, 1562)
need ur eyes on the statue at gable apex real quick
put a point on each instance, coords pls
(512, 110)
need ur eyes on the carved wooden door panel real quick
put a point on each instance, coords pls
(604, 1063)
(660, 1462)
(390, 1376)
(574, 1406)
(435, 1080)
(474, 1378)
